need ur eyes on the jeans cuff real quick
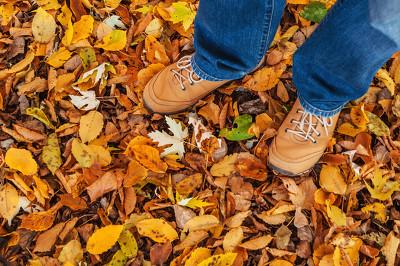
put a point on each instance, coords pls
(316, 111)
(200, 72)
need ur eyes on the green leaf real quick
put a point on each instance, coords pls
(182, 13)
(128, 244)
(314, 11)
(51, 154)
(376, 125)
(119, 259)
(241, 125)
(88, 56)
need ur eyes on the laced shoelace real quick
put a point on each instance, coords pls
(306, 126)
(184, 72)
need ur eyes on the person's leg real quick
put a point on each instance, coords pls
(335, 65)
(231, 38)
(338, 62)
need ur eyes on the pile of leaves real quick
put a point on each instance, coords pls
(89, 177)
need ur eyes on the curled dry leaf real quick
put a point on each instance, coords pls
(257, 243)
(332, 180)
(203, 222)
(232, 239)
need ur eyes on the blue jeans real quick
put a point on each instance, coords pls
(335, 65)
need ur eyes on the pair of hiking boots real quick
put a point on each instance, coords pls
(301, 139)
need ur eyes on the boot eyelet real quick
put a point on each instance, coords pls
(291, 121)
(286, 130)
(314, 142)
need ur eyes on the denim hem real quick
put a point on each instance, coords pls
(200, 73)
(316, 111)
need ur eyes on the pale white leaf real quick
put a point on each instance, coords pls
(176, 140)
(87, 101)
(115, 22)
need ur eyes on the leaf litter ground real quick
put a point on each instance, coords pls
(89, 177)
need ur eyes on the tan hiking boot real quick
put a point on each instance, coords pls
(301, 140)
(176, 88)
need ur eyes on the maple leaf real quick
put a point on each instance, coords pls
(85, 102)
(182, 13)
(192, 203)
(176, 140)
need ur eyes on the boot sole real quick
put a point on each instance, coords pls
(278, 171)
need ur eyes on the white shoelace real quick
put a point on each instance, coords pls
(305, 127)
(184, 65)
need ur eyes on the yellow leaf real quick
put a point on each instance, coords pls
(68, 35)
(198, 255)
(226, 259)
(90, 126)
(39, 115)
(21, 160)
(51, 154)
(82, 28)
(100, 154)
(71, 253)
(103, 239)
(377, 208)
(112, 3)
(82, 153)
(232, 239)
(182, 12)
(358, 117)
(42, 187)
(157, 229)
(335, 214)
(9, 202)
(265, 78)
(114, 41)
(22, 64)
(350, 130)
(49, 4)
(332, 180)
(154, 28)
(382, 188)
(6, 13)
(202, 222)
(128, 244)
(384, 76)
(58, 58)
(43, 26)
(65, 16)
(225, 167)
(149, 157)
(192, 203)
